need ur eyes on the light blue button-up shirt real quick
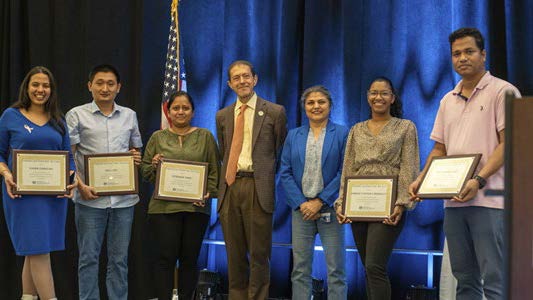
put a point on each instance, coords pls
(93, 132)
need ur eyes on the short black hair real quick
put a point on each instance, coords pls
(240, 62)
(468, 31)
(105, 68)
(175, 95)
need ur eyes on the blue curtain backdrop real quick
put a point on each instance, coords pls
(344, 45)
(293, 44)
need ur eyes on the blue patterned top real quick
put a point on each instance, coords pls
(312, 182)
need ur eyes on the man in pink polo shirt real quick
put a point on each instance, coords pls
(471, 119)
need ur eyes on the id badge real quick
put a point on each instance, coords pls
(325, 217)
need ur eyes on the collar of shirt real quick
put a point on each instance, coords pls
(251, 103)
(95, 108)
(480, 85)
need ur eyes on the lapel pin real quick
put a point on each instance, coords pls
(260, 113)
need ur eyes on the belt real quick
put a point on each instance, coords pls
(241, 174)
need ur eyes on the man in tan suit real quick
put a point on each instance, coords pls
(250, 133)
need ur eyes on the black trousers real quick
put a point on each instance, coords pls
(375, 242)
(178, 237)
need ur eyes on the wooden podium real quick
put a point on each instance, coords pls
(519, 197)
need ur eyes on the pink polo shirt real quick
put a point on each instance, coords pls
(472, 126)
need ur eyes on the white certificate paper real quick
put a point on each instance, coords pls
(40, 172)
(112, 173)
(447, 175)
(369, 198)
(181, 180)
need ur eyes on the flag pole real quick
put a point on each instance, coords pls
(174, 12)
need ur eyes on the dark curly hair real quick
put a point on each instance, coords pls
(396, 107)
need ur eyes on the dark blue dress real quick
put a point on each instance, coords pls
(36, 223)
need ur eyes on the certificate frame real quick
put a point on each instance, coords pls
(384, 186)
(23, 159)
(94, 176)
(198, 172)
(464, 165)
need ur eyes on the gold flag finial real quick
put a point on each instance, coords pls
(174, 6)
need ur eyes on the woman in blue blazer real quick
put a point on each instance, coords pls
(311, 167)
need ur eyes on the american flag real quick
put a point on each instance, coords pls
(174, 66)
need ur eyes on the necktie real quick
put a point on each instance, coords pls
(236, 147)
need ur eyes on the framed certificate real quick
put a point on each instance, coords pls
(447, 175)
(369, 198)
(111, 173)
(40, 172)
(179, 180)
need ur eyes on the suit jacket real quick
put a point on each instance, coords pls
(268, 135)
(293, 162)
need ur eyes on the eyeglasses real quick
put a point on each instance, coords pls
(374, 94)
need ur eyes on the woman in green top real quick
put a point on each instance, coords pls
(178, 227)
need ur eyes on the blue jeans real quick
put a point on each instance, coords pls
(91, 224)
(303, 243)
(475, 242)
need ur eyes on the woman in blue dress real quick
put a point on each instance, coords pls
(36, 223)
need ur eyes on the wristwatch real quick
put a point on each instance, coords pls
(482, 181)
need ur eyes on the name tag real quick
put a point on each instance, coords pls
(325, 217)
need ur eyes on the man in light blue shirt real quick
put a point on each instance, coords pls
(102, 126)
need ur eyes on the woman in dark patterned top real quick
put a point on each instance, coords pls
(383, 145)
